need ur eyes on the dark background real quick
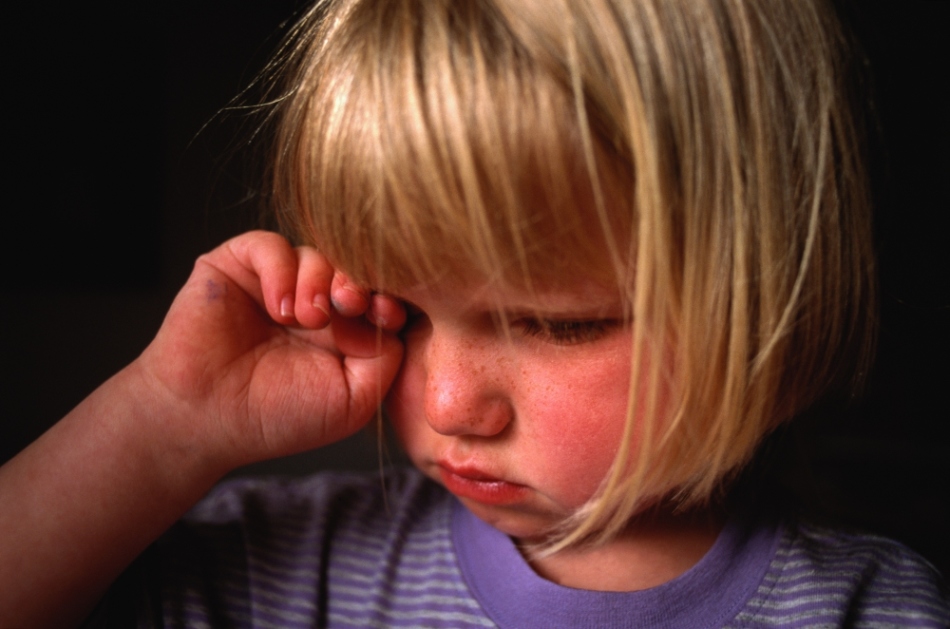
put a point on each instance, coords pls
(124, 164)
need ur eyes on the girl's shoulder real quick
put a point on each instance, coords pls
(836, 576)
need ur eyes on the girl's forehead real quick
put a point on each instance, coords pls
(543, 269)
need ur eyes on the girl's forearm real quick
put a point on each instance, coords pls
(79, 504)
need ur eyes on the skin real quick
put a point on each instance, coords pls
(268, 350)
(541, 407)
(523, 425)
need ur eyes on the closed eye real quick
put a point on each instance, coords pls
(566, 331)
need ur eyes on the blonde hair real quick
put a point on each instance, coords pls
(702, 154)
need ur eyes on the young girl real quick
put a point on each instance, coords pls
(588, 254)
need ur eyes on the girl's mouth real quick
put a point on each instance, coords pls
(473, 484)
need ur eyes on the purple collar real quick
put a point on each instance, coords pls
(707, 595)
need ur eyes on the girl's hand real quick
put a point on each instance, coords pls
(251, 362)
(267, 351)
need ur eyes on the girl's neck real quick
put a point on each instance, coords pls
(650, 552)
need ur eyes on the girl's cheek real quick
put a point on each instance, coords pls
(579, 445)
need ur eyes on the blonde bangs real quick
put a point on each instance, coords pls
(427, 143)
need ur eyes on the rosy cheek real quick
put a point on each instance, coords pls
(580, 428)
(579, 460)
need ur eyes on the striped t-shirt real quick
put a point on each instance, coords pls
(337, 550)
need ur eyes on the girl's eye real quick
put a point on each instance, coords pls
(566, 332)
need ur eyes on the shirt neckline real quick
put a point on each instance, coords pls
(707, 595)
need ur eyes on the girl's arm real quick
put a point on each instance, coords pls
(252, 362)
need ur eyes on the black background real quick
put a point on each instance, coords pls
(122, 164)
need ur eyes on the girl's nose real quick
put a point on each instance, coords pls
(465, 392)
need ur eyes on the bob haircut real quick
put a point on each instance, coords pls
(700, 155)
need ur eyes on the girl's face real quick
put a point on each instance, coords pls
(522, 427)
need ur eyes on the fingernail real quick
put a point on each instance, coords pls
(287, 306)
(357, 301)
(321, 303)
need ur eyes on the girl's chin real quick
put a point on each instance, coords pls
(524, 526)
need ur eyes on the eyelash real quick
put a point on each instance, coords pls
(554, 331)
(566, 332)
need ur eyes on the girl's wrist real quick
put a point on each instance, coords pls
(170, 437)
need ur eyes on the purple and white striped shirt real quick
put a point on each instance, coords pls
(335, 550)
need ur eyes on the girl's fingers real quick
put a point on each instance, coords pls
(299, 286)
(386, 312)
(351, 300)
(312, 298)
(264, 266)
(347, 298)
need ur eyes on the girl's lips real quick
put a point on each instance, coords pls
(471, 483)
